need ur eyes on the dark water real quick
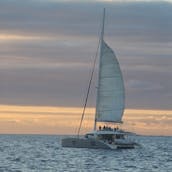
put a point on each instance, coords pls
(35, 153)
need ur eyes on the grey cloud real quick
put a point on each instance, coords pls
(53, 68)
(133, 20)
(43, 86)
(135, 84)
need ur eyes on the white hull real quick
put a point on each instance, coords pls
(95, 144)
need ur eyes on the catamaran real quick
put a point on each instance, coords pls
(110, 105)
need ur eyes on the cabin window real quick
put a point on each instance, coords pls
(108, 137)
(119, 136)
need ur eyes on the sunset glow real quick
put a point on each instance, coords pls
(46, 56)
(65, 120)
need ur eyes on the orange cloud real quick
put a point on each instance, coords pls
(65, 120)
(15, 37)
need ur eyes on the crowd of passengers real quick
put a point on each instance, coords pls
(105, 128)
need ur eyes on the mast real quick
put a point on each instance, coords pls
(102, 32)
(101, 40)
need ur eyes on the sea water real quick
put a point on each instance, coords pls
(42, 153)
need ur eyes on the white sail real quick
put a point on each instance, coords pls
(110, 94)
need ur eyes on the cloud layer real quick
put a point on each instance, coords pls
(47, 49)
(62, 120)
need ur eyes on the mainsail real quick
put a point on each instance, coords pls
(110, 94)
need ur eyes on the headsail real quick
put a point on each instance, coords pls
(110, 94)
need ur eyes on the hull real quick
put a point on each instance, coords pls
(94, 144)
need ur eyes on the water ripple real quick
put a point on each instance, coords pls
(35, 153)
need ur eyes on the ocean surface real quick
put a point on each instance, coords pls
(41, 153)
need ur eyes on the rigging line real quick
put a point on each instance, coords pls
(88, 90)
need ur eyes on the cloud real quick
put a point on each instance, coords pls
(62, 120)
(143, 85)
(47, 49)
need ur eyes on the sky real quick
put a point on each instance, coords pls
(47, 48)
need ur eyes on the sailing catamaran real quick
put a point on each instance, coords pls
(110, 104)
